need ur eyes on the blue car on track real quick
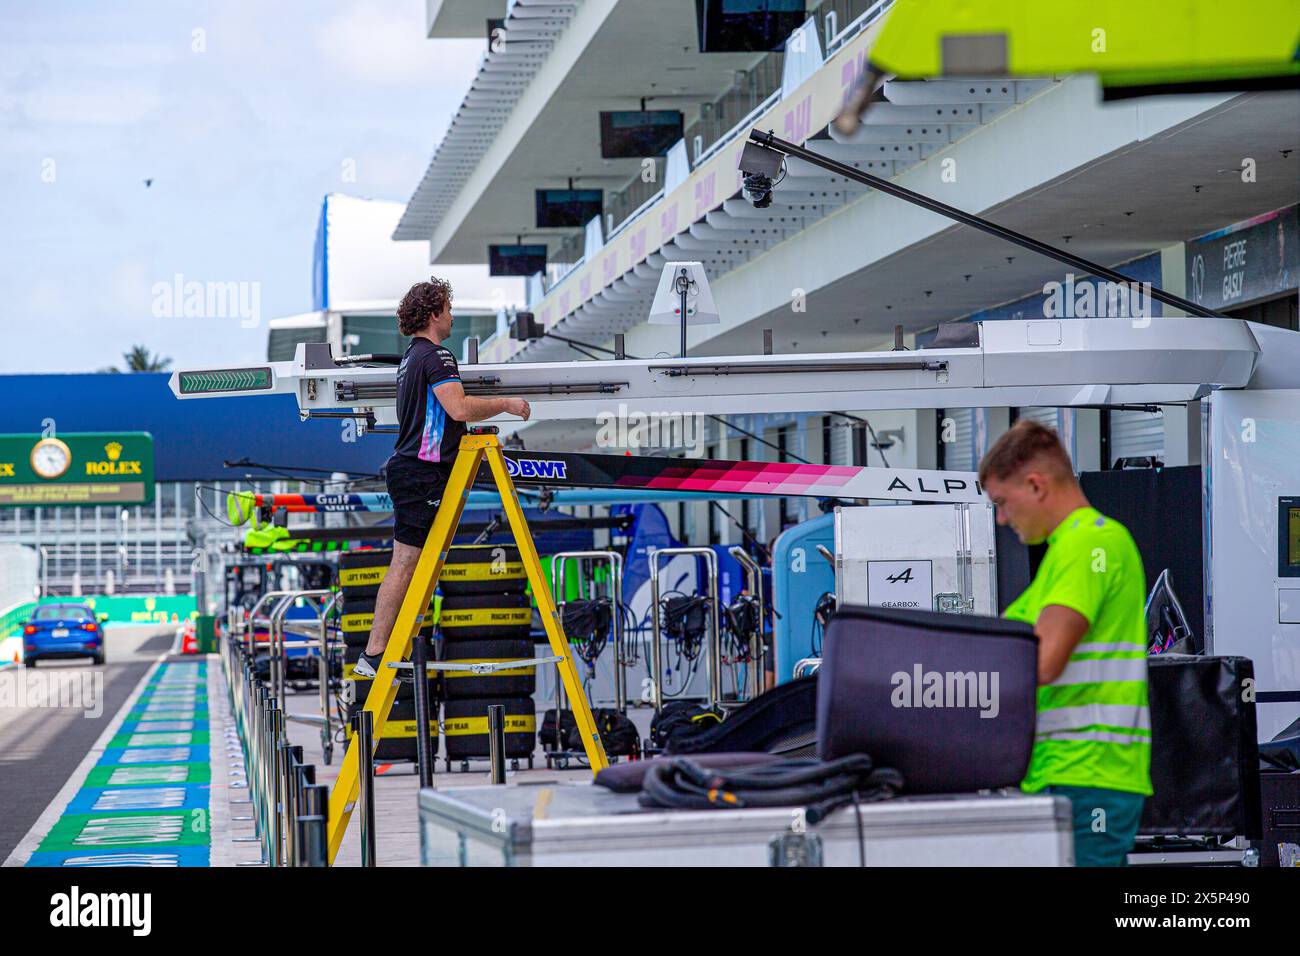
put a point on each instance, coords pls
(62, 631)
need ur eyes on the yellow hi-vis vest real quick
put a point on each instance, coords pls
(1093, 727)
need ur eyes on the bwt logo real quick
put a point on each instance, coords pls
(537, 468)
(922, 688)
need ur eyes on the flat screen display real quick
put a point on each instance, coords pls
(742, 26)
(633, 134)
(1288, 537)
(568, 208)
(516, 260)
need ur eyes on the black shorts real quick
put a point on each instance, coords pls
(416, 488)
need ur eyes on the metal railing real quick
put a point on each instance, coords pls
(754, 583)
(314, 637)
(289, 809)
(714, 658)
(615, 562)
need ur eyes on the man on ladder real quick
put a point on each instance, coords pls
(432, 409)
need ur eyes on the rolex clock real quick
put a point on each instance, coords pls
(50, 458)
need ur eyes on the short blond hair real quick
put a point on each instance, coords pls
(1024, 443)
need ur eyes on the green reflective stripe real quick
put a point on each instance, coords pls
(1102, 671)
(1123, 716)
(1120, 692)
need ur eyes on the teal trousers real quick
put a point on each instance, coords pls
(1105, 823)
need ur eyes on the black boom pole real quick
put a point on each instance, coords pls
(975, 222)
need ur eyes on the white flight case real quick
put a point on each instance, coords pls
(580, 824)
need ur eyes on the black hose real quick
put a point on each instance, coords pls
(821, 786)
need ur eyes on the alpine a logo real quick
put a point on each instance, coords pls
(543, 468)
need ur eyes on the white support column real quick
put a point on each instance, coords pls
(1087, 439)
(990, 425)
(1182, 434)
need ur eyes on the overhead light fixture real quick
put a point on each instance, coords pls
(684, 297)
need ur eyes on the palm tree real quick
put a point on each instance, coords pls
(139, 359)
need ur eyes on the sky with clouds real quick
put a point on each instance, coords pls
(243, 113)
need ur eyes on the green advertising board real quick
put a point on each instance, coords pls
(81, 468)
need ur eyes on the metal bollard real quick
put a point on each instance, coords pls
(423, 755)
(312, 833)
(266, 774)
(275, 789)
(365, 742)
(313, 841)
(288, 798)
(497, 742)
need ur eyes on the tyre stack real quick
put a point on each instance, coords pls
(360, 574)
(487, 616)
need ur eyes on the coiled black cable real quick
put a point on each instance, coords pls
(819, 786)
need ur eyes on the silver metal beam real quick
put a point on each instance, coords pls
(1073, 362)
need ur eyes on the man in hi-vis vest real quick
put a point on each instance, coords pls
(1092, 740)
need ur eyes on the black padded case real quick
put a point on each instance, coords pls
(1204, 747)
(945, 747)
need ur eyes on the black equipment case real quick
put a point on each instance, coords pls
(1204, 747)
(947, 699)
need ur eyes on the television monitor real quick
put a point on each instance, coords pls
(568, 208)
(747, 26)
(516, 260)
(634, 134)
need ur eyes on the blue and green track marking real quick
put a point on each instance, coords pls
(146, 800)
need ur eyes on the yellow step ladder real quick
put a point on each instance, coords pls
(474, 448)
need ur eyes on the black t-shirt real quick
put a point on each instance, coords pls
(425, 431)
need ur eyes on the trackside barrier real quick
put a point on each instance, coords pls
(289, 810)
(313, 635)
(316, 635)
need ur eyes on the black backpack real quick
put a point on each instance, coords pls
(679, 720)
(617, 733)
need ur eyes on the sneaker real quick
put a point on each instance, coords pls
(366, 665)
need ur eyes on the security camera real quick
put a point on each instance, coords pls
(761, 167)
(758, 190)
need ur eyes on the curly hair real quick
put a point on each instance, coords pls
(421, 303)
